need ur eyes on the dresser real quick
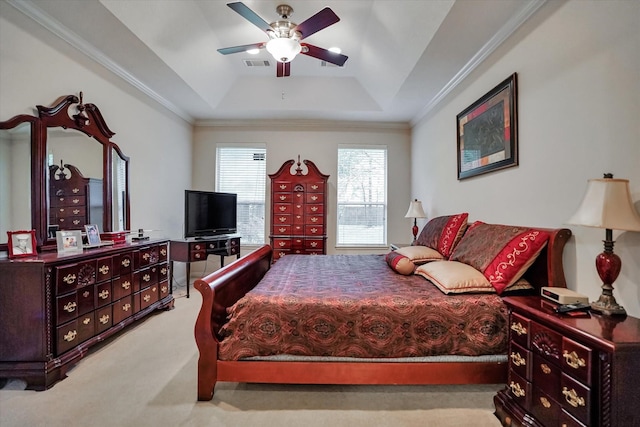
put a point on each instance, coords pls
(54, 308)
(569, 371)
(75, 201)
(298, 209)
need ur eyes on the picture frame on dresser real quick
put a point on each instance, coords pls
(93, 235)
(487, 132)
(22, 243)
(69, 241)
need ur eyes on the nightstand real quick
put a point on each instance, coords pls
(569, 371)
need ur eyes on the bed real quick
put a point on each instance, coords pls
(237, 348)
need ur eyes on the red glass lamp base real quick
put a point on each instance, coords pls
(608, 266)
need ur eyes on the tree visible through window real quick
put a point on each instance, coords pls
(362, 196)
(241, 169)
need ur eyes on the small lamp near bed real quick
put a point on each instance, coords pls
(415, 211)
(607, 204)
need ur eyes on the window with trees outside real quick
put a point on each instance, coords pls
(362, 196)
(242, 169)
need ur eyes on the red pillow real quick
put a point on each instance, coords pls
(400, 263)
(501, 252)
(443, 233)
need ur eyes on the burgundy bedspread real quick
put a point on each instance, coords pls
(356, 306)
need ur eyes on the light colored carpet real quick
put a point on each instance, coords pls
(146, 376)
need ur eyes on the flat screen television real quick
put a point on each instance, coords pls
(208, 213)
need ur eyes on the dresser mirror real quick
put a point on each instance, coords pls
(69, 139)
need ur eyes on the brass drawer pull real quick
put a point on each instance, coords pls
(573, 360)
(104, 269)
(545, 368)
(282, 208)
(75, 190)
(104, 294)
(516, 389)
(69, 278)
(75, 201)
(517, 359)
(164, 289)
(70, 307)
(126, 307)
(163, 271)
(146, 278)
(146, 256)
(86, 294)
(125, 262)
(86, 320)
(76, 211)
(163, 252)
(314, 244)
(104, 319)
(126, 284)
(571, 396)
(70, 336)
(545, 402)
(146, 298)
(519, 329)
(76, 222)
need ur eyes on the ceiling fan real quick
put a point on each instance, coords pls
(285, 36)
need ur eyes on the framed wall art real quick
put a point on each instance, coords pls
(487, 132)
(21, 243)
(69, 241)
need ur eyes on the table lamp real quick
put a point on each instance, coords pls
(415, 211)
(607, 204)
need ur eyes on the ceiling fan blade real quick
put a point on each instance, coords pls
(324, 54)
(243, 48)
(317, 22)
(283, 69)
(250, 16)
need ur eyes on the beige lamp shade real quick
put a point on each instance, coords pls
(607, 204)
(415, 210)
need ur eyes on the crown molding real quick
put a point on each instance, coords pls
(56, 27)
(305, 125)
(503, 34)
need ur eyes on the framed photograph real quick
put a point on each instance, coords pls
(69, 241)
(93, 235)
(21, 243)
(488, 132)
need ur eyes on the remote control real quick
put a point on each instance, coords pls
(565, 308)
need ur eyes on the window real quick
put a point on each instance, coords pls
(362, 196)
(241, 169)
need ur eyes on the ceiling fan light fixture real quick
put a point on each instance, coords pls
(283, 49)
(253, 51)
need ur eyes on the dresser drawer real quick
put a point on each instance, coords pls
(314, 230)
(67, 212)
(519, 329)
(163, 289)
(66, 308)
(279, 253)
(281, 229)
(103, 294)
(86, 326)
(282, 208)
(69, 201)
(105, 269)
(163, 253)
(283, 197)
(144, 278)
(519, 389)
(122, 286)
(566, 420)
(281, 244)
(123, 264)
(282, 219)
(67, 336)
(316, 187)
(122, 309)
(577, 360)
(520, 361)
(146, 256)
(148, 296)
(104, 318)
(72, 276)
(314, 198)
(314, 209)
(576, 398)
(312, 245)
(282, 186)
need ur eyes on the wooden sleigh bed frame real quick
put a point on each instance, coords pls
(224, 287)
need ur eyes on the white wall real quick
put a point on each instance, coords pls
(158, 143)
(317, 142)
(579, 116)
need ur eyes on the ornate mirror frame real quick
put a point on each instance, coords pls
(86, 119)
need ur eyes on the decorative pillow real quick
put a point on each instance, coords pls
(501, 252)
(521, 284)
(400, 263)
(443, 233)
(453, 277)
(420, 254)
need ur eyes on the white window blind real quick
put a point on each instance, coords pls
(362, 196)
(241, 169)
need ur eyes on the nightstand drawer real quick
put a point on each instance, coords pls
(520, 361)
(520, 327)
(546, 376)
(546, 341)
(577, 360)
(544, 407)
(576, 398)
(520, 390)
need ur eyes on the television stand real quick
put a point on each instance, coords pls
(188, 251)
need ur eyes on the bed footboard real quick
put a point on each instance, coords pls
(220, 290)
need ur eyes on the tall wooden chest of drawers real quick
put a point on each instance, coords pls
(53, 308)
(75, 200)
(298, 210)
(569, 371)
